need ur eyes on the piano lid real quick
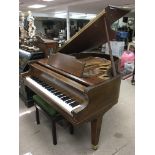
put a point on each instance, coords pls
(94, 33)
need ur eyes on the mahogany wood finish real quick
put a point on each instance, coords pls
(101, 97)
(93, 34)
(96, 94)
(59, 77)
(95, 131)
(63, 62)
(82, 80)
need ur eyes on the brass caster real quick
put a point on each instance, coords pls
(94, 147)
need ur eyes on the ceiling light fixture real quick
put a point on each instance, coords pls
(47, 0)
(90, 16)
(74, 15)
(82, 16)
(60, 14)
(36, 6)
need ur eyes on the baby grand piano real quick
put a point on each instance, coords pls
(80, 84)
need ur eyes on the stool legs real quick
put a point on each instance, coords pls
(54, 132)
(37, 115)
(71, 128)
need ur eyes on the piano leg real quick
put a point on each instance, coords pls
(95, 131)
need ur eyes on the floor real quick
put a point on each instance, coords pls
(116, 138)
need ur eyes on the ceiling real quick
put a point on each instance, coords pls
(80, 6)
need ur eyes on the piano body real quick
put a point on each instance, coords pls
(80, 84)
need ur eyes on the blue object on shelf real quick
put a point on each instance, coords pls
(122, 35)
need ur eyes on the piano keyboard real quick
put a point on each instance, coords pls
(64, 101)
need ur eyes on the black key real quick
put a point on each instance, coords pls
(52, 91)
(60, 95)
(48, 87)
(65, 98)
(44, 85)
(56, 93)
(74, 104)
(39, 81)
(34, 78)
(69, 101)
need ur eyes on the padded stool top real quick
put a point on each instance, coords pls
(44, 105)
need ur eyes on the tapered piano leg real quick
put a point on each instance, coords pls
(95, 132)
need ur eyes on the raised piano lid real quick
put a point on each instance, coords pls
(94, 33)
(90, 36)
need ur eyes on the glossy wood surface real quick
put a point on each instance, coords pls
(100, 98)
(95, 130)
(93, 34)
(59, 77)
(87, 81)
(66, 63)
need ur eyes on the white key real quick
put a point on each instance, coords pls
(53, 97)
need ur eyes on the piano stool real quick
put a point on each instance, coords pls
(54, 116)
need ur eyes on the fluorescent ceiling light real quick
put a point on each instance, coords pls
(59, 12)
(90, 16)
(48, 0)
(74, 15)
(78, 15)
(36, 6)
(82, 16)
(60, 15)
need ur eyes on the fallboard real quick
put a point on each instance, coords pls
(60, 77)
